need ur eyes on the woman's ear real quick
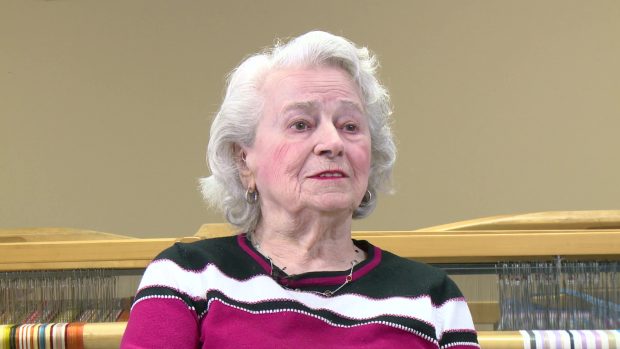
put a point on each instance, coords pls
(245, 174)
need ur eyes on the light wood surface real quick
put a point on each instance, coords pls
(493, 246)
(484, 312)
(437, 247)
(54, 234)
(552, 220)
(105, 335)
(127, 253)
(500, 340)
(215, 230)
(467, 241)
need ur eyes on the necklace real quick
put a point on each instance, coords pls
(326, 293)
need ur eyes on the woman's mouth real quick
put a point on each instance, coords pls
(330, 175)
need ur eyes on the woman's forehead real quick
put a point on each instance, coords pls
(302, 87)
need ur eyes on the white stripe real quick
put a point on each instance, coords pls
(589, 338)
(540, 340)
(604, 339)
(549, 338)
(22, 337)
(263, 288)
(526, 339)
(455, 315)
(63, 326)
(565, 337)
(27, 329)
(616, 334)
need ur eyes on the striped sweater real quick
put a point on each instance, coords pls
(222, 293)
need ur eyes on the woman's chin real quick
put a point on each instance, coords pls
(334, 206)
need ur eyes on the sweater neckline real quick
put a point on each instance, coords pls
(314, 278)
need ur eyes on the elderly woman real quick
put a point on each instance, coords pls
(301, 146)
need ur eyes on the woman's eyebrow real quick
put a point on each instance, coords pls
(345, 104)
(308, 106)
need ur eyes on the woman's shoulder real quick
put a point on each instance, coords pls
(197, 254)
(420, 278)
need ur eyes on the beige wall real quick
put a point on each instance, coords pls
(500, 106)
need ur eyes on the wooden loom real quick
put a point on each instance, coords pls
(584, 235)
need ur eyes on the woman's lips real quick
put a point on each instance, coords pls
(327, 175)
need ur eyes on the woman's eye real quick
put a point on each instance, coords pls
(350, 127)
(300, 126)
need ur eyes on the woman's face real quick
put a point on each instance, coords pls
(312, 145)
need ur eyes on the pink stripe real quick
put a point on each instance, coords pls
(161, 323)
(242, 240)
(371, 265)
(300, 331)
(584, 339)
(559, 339)
(597, 339)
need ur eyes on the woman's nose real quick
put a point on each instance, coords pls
(328, 141)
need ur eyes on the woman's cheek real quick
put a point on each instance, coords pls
(275, 166)
(362, 159)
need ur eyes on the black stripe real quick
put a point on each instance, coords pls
(572, 340)
(532, 339)
(458, 337)
(413, 324)
(12, 342)
(199, 305)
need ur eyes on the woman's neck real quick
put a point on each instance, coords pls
(319, 243)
